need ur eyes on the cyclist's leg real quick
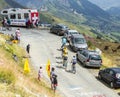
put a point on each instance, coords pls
(66, 62)
(74, 68)
(62, 45)
(63, 62)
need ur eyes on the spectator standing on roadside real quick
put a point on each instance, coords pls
(40, 73)
(28, 48)
(51, 76)
(17, 34)
(55, 82)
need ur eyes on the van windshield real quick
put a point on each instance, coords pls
(79, 40)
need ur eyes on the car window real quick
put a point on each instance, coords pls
(95, 57)
(79, 40)
(65, 27)
(85, 54)
(68, 33)
(80, 51)
(73, 32)
(111, 72)
(58, 26)
(107, 71)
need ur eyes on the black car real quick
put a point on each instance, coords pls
(59, 29)
(111, 76)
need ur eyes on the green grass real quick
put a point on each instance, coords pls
(48, 17)
(6, 76)
(12, 78)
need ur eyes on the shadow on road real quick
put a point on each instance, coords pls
(69, 71)
(87, 67)
(70, 49)
(59, 62)
(58, 57)
(119, 93)
(61, 67)
(102, 81)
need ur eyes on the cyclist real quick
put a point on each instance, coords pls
(64, 49)
(65, 57)
(74, 61)
(64, 41)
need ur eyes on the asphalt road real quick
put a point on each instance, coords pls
(44, 46)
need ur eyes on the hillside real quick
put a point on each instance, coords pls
(14, 82)
(3, 4)
(115, 11)
(9, 3)
(106, 4)
(14, 4)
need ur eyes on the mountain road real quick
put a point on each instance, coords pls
(45, 45)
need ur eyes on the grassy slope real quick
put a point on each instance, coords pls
(3, 4)
(50, 18)
(13, 81)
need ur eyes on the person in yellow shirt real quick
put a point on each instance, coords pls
(65, 57)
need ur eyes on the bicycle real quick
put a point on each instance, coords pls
(74, 61)
(65, 62)
(73, 68)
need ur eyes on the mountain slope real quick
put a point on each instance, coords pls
(106, 4)
(114, 11)
(9, 3)
(81, 6)
(14, 4)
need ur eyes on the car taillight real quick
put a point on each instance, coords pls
(87, 60)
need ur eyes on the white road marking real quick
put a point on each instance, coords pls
(76, 88)
(90, 94)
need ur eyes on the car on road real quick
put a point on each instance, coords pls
(111, 76)
(78, 42)
(89, 58)
(69, 33)
(59, 29)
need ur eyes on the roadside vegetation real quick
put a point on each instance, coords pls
(13, 81)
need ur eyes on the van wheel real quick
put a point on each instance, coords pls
(50, 31)
(58, 33)
(112, 85)
(99, 77)
(84, 64)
